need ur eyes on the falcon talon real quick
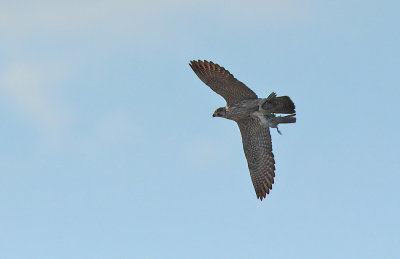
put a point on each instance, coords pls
(254, 117)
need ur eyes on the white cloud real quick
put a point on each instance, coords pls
(266, 9)
(114, 128)
(25, 85)
(29, 84)
(72, 18)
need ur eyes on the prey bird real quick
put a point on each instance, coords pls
(253, 115)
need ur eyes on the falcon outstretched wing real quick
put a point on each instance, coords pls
(260, 159)
(221, 81)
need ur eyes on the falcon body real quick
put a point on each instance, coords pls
(254, 117)
(239, 110)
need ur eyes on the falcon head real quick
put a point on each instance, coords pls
(220, 112)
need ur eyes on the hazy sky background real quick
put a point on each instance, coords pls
(108, 148)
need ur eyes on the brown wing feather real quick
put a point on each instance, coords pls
(221, 81)
(260, 159)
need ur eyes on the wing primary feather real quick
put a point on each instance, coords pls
(221, 81)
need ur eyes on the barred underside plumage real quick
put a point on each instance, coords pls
(221, 81)
(257, 147)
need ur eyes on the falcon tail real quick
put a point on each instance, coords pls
(279, 104)
(283, 104)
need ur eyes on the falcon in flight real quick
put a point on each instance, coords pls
(253, 115)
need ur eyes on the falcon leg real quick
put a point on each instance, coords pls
(273, 122)
(270, 121)
(260, 116)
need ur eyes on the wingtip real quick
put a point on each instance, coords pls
(192, 62)
(200, 61)
(261, 195)
(263, 192)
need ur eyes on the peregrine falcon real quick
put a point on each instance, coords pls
(253, 115)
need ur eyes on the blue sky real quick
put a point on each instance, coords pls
(108, 148)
